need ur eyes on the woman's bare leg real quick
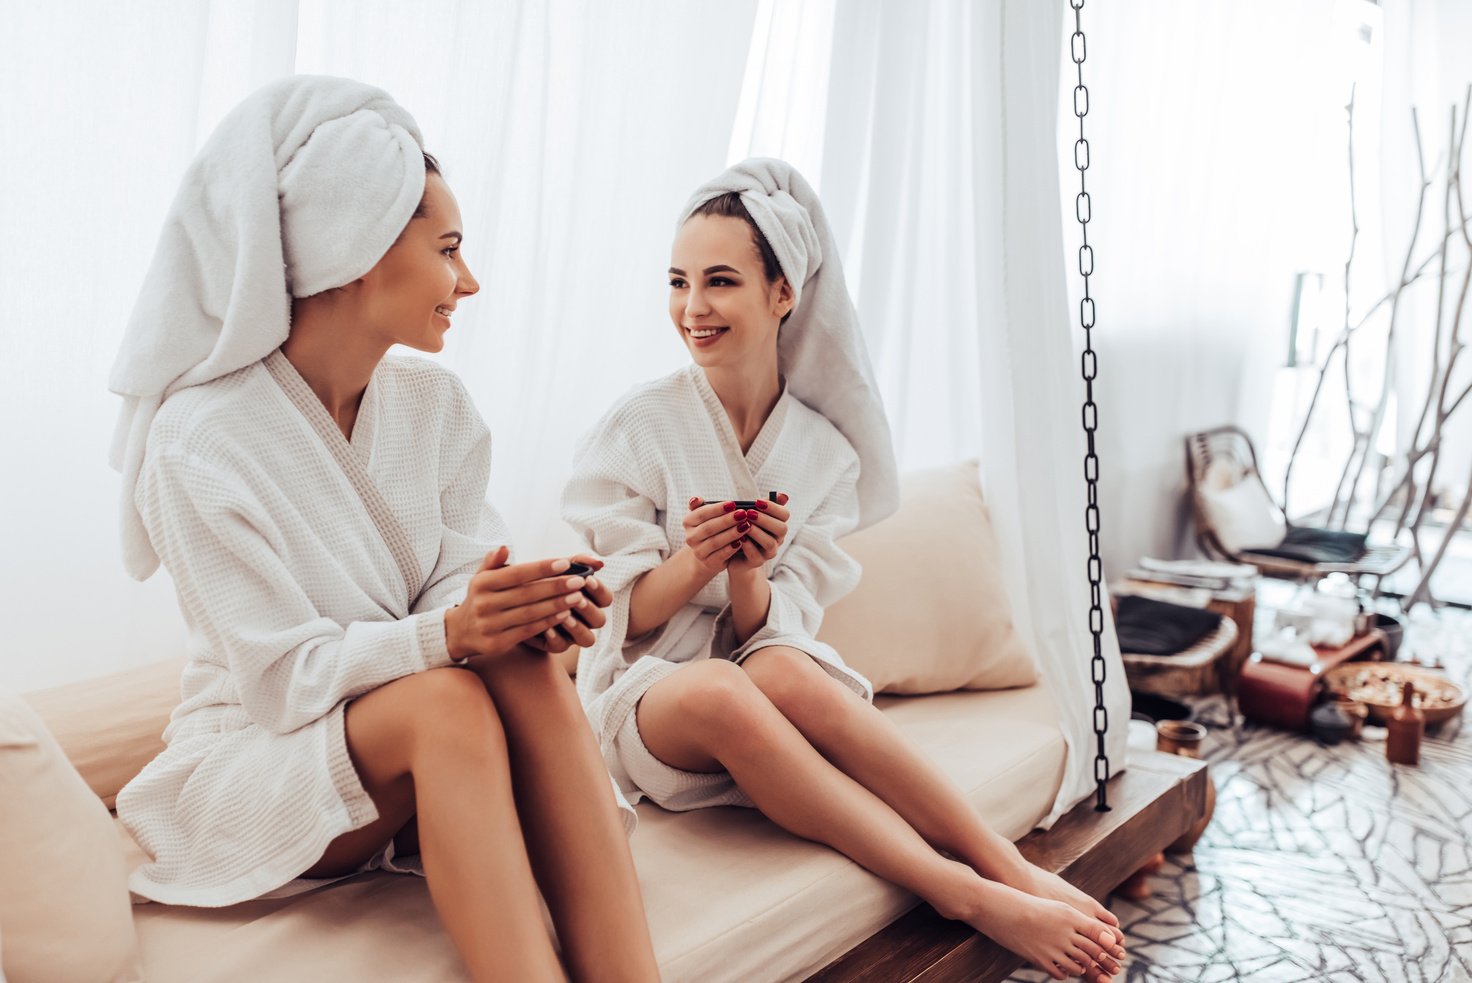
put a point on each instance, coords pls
(431, 744)
(709, 716)
(573, 831)
(865, 744)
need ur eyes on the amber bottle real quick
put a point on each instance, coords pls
(1407, 722)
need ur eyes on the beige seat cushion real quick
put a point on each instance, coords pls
(730, 896)
(64, 895)
(931, 614)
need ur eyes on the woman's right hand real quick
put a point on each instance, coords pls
(713, 533)
(505, 606)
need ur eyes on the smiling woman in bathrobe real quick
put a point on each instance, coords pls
(709, 686)
(371, 681)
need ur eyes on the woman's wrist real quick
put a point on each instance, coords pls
(661, 592)
(454, 638)
(751, 600)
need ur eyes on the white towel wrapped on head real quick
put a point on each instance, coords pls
(301, 188)
(820, 350)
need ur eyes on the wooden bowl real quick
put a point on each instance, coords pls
(1378, 686)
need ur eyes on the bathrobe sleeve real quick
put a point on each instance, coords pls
(471, 528)
(292, 665)
(616, 506)
(811, 573)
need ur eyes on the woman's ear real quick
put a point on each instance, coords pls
(784, 299)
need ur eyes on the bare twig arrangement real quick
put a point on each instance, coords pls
(1411, 488)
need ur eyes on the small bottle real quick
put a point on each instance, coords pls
(1407, 722)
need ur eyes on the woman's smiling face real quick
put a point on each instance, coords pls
(411, 293)
(726, 311)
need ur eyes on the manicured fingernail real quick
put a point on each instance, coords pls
(729, 506)
(694, 502)
(573, 583)
(592, 582)
(762, 506)
(560, 565)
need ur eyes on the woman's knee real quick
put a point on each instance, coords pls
(798, 686)
(448, 709)
(720, 704)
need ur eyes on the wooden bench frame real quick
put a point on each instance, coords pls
(1151, 805)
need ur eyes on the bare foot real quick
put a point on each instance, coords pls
(1050, 934)
(1046, 885)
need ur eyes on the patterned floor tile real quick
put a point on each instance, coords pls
(1321, 863)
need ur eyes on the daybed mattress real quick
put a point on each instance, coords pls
(730, 896)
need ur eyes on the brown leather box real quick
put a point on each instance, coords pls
(1282, 695)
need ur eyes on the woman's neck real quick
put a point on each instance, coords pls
(332, 357)
(748, 398)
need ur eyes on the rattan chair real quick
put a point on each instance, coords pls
(1232, 445)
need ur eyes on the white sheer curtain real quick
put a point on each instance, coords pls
(571, 132)
(101, 107)
(937, 168)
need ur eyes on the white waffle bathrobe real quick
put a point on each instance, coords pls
(295, 605)
(634, 475)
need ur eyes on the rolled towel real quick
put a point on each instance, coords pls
(820, 350)
(301, 188)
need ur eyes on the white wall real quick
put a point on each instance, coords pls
(1216, 152)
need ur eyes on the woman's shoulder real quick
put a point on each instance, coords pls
(644, 407)
(207, 417)
(423, 379)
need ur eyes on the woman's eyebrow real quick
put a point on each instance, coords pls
(452, 235)
(720, 268)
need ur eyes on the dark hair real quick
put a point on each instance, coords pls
(730, 205)
(431, 166)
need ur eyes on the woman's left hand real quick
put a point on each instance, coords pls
(766, 531)
(585, 620)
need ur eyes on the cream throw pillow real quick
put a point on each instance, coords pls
(931, 613)
(64, 903)
(1242, 515)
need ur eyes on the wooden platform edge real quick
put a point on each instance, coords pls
(1151, 804)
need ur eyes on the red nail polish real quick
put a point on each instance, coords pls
(743, 526)
(694, 502)
(761, 505)
(729, 506)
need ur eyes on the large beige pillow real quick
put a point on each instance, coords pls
(931, 613)
(64, 905)
(111, 726)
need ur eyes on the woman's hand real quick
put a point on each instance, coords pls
(764, 530)
(506, 606)
(712, 534)
(586, 619)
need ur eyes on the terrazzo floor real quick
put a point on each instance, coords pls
(1321, 862)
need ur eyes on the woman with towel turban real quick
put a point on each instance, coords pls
(708, 686)
(371, 682)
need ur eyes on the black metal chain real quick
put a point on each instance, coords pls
(1084, 212)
